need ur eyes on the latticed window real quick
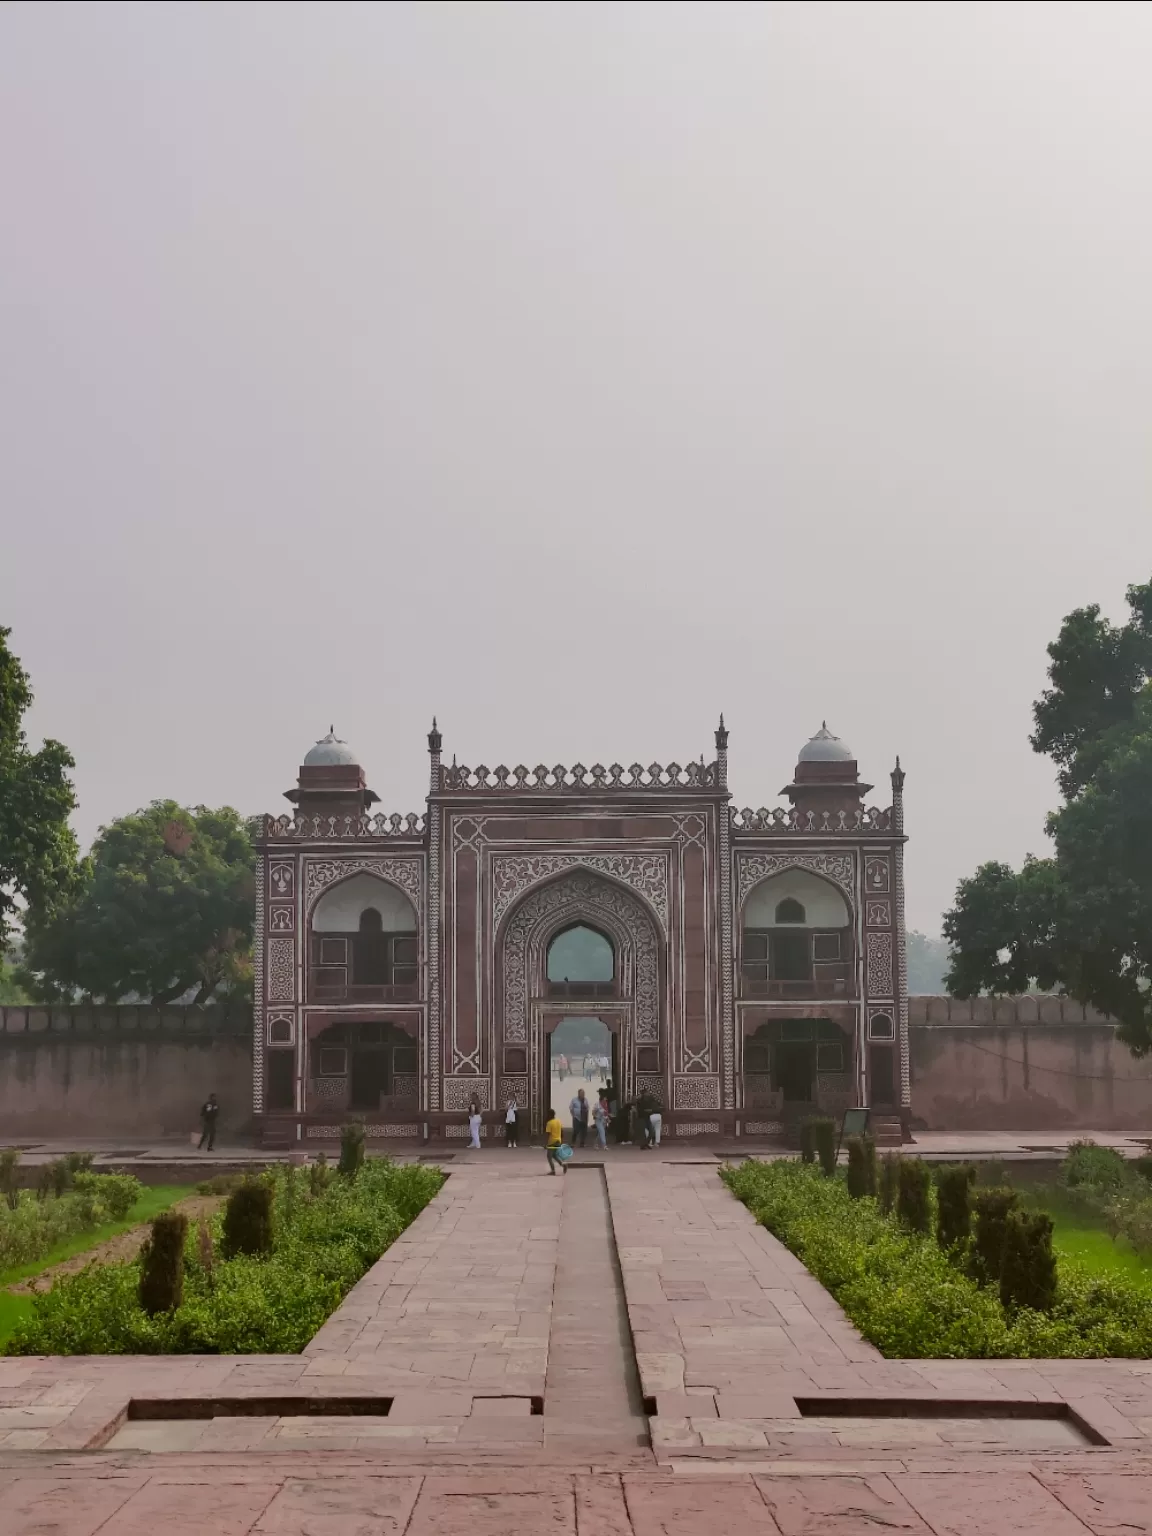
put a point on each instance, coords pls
(382, 959)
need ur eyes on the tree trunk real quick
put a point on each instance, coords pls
(159, 999)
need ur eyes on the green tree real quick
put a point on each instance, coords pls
(37, 846)
(1080, 920)
(165, 905)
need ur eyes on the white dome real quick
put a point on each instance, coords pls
(329, 752)
(825, 748)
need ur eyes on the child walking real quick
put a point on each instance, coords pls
(554, 1136)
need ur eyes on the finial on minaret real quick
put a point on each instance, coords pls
(435, 740)
(897, 778)
(721, 736)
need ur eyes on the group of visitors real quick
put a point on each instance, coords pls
(642, 1118)
(590, 1067)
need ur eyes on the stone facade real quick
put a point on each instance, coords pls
(445, 998)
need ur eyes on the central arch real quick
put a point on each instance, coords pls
(636, 1006)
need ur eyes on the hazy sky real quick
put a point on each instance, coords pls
(575, 372)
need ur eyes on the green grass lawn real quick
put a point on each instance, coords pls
(1077, 1236)
(1095, 1250)
(153, 1199)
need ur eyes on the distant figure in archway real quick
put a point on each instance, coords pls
(511, 1125)
(600, 1117)
(579, 1108)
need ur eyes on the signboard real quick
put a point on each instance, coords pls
(855, 1123)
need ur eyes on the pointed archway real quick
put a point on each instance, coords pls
(636, 1009)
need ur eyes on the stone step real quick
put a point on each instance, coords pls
(887, 1131)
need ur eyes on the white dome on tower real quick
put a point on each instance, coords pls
(331, 752)
(825, 748)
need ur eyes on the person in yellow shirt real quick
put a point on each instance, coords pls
(554, 1136)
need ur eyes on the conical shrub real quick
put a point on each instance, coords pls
(248, 1220)
(162, 1264)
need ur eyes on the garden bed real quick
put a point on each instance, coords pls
(327, 1229)
(914, 1299)
(79, 1247)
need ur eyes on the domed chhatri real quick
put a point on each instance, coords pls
(330, 752)
(824, 747)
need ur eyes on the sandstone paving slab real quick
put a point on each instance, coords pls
(678, 1506)
(986, 1504)
(837, 1506)
(1108, 1503)
(356, 1506)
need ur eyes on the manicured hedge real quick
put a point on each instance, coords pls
(915, 1301)
(326, 1232)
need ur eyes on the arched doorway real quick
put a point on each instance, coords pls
(577, 922)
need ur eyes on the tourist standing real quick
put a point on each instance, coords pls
(600, 1116)
(208, 1115)
(554, 1136)
(656, 1121)
(474, 1122)
(645, 1104)
(511, 1125)
(579, 1107)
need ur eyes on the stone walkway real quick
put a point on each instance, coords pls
(470, 1346)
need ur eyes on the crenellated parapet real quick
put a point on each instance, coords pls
(304, 828)
(521, 780)
(790, 820)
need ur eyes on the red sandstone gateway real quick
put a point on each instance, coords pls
(755, 960)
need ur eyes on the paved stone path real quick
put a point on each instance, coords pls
(489, 1309)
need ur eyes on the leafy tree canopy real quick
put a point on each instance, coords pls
(37, 846)
(1080, 920)
(164, 905)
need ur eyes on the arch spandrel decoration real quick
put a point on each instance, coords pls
(407, 874)
(645, 873)
(752, 868)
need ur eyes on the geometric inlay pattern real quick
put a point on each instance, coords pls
(697, 1092)
(460, 1091)
(280, 976)
(880, 965)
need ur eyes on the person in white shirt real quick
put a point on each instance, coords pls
(511, 1125)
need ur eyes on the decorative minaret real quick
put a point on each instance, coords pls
(901, 941)
(430, 1083)
(727, 956)
(435, 742)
